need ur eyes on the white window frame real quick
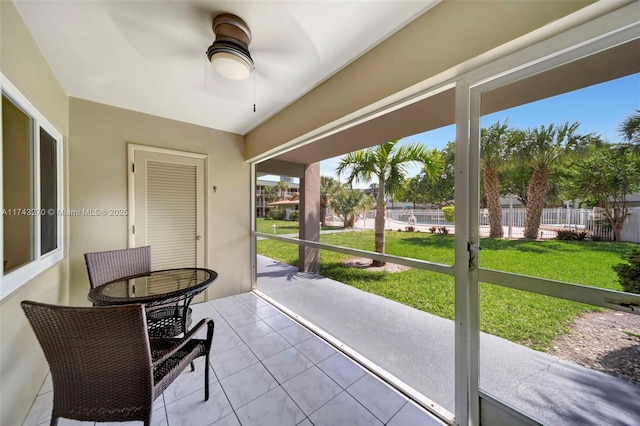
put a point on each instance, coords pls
(25, 273)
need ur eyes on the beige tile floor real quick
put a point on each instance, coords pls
(268, 371)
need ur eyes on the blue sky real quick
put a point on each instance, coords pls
(599, 109)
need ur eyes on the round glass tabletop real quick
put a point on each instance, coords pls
(154, 287)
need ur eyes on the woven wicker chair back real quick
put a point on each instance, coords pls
(99, 358)
(106, 266)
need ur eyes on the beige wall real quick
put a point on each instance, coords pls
(446, 36)
(95, 162)
(26, 67)
(22, 365)
(98, 179)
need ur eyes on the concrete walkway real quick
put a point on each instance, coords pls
(418, 348)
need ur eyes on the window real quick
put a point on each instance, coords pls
(48, 193)
(31, 191)
(16, 186)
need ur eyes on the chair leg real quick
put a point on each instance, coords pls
(193, 367)
(206, 378)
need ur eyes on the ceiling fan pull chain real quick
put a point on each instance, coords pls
(254, 89)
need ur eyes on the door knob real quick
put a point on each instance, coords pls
(198, 237)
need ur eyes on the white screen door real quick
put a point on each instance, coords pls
(169, 208)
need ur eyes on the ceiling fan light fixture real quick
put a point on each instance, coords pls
(230, 62)
(229, 54)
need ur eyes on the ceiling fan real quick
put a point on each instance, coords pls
(229, 54)
(176, 34)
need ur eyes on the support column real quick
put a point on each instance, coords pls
(309, 257)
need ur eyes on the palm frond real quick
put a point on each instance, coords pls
(629, 129)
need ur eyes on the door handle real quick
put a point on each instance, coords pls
(198, 237)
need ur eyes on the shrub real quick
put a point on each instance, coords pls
(570, 235)
(629, 273)
(444, 230)
(565, 234)
(449, 213)
(294, 215)
(596, 237)
(432, 229)
(410, 228)
(276, 214)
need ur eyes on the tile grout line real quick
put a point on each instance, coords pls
(220, 383)
(406, 390)
(343, 389)
(261, 363)
(278, 382)
(218, 379)
(281, 384)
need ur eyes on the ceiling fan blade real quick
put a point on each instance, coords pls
(157, 37)
(276, 41)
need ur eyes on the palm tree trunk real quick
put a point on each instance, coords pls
(535, 203)
(323, 214)
(379, 224)
(492, 194)
(349, 220)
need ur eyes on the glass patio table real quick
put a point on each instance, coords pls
(166, 291)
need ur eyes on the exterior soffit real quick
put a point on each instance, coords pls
(452, 40)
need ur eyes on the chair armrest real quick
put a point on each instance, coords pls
(187, 337)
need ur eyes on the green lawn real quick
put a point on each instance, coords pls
(519, 316)
(282, 226)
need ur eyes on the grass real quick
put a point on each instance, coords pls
(522, 317)
(631, 334)
(282, 226)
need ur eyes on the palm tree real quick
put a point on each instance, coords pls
(329, 187)
(440, 191)
(373, 190)
(388, 163)
(349, 202)
(282, 186)
(496, 142)
(629, 129)
(543, 149)
(270, 193)
(413, 192)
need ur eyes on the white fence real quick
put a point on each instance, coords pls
(587, 220)
(631, 228)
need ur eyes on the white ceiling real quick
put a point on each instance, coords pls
(149, 56)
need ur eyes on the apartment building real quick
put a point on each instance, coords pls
(262, 198)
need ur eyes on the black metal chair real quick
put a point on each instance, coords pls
(107, 266)
(104, 366)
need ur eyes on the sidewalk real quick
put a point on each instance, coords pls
(418, 348)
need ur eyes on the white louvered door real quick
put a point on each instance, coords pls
(169, 208)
